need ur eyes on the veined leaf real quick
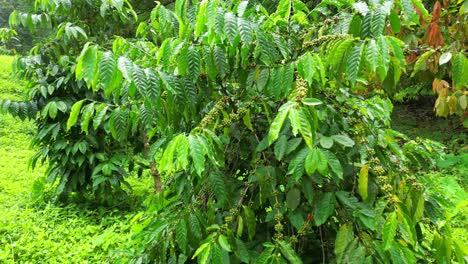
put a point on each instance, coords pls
(344, 237)
(324, 208)
(344, 140)
(223, 242)
(245, 30)
(86, 67)
(220, 60)
(459, 70)
(182, 60)
(197, 153)
(389, 230)
(250, 220)
(354, 62)
(75, 111)
(373, 54)
(280, 147)
(421, 62)
(289, 253)
(230, 26)
(276, 125)
(181, 235)
(216, 181)
(378, 22)
(312, 161)
(194, 61)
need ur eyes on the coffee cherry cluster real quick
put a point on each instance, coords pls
(387, 188)
(213, 114)
(301, 89)
(379, 170)
(323, 39)
(234, 117)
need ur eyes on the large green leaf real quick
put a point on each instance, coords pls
(353, 63)
(389, 230)
(197, 153)
(276, 125)
(75, 111)
(86, 66)
(324, 208)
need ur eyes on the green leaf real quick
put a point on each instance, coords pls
(251, 221)
(182, 60)
(312, 161)
(197, 153)
(322, 166)
(181, 235)
(344, 140)
(378, 22)
(326, 142)
(389, 230)
(373, 56)
(276, 126)
(242, 251)
(203, 247)
(221, 61)
(294, 120)
(324, 208)
(88, 112)
(194, 61)
(75, 111)
(459, 70)
(409, 11)
(289, 253)
(312, 101)
(353, 63)
(280, 147)
(230, 26)
(366, 29)
(421, 62)
(216, 254)
(363, 181)
(344, 237)
(293, 198)
(284, 9)
(52, 107)
(194, 224)
(108, 72)
(395, 22)
(223, 242)
(86, 67)
(305, 127)
(265, 256)
(100, 115)
(245, 30)
(118, 123)
(216, 180)
(334, 163)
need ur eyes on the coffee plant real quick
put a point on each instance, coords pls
(266, 129)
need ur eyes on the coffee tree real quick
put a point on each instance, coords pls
(266, 132)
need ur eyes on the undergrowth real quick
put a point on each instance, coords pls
(33, 227)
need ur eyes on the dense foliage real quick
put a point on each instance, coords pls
(267, 133)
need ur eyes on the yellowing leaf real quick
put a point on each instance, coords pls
(363, 181)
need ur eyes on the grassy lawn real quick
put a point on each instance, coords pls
(35, 229)
(32, 228)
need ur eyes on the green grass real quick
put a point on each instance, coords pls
(34, 229)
